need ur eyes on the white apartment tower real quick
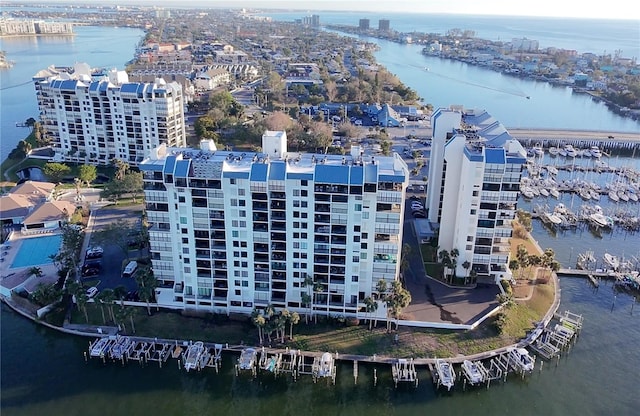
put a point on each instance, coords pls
(474, 182)
(231, 231)
(97, 118)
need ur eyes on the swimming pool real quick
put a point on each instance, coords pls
(36, 250)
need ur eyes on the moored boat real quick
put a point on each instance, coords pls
(445, 373)
(611, 261)
(100, 347)
(521, 358)
(472, 372)
(193, 355)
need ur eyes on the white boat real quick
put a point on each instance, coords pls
(120, 348)
(193, 354)
(551, 218)
(472, 371)
(247, 359)
(613, 195)
(554, 193)
(584, 194)
(623, 195)
(99, 348)
(527, 192)
(570, 151)
(599, 220)
(552, 170)
(326, 368)
(595, 152)
(553, 151)
(521, 358)
(595, 195)
(611, 261)
(538, 150)
(632, 196)
(544, 192)
(446, 375)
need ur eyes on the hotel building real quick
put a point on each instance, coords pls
(474, 182)
(230, 231)
(97, 118)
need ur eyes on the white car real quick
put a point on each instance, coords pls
(358, 122)
(416, 205)
(92, 291)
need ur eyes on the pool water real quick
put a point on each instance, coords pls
(36, 250)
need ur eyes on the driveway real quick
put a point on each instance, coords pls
(432, 301)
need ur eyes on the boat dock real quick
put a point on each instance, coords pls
(479, 369)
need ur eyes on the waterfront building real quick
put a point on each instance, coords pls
(9, 27)
(95, 118)
(230, 231)
(363, 24)
(474, 180)
(384, 25)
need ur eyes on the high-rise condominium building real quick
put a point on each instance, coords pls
(97, 118)
(384, 25)
(363, 24)
(474, 182)
(231, 231)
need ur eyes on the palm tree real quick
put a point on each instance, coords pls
(454, 261)
(146, 285)
(285, 315)
(119, 292)
(100, 299)
(36, 271)
(108, 296)
(399, 299)
(466, 265)
(445, 259)
(404, 258)
(259, 321)
(308, 299)
(318, 288)
(293, 320)
(522, 256)
(78, 293)
(381, 289)
(370, 306)
(306, 302)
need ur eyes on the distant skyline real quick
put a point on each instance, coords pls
(612, 9)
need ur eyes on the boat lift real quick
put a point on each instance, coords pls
(403, 370)
(270, 362)
(289, 363)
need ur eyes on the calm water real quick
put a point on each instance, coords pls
(43, 372)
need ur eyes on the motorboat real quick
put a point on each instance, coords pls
(473, 372)
(521, 358)
(120, 348)
(611, 261)
(584, 194)
(551, 218)
(527, 192)
(570, 151)
(595, 152)
(538, 150)
(623, 195)
(595, 195)
(193, 354)
(446, 375)
(554, 193)
(553, 151)
(247, 359)
(100, 347)
(613, 195)
(552, 170)
(599, 220)
(326, 367)
(544, 192)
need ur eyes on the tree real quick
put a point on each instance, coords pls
(132, 184)
(294, 318)
(259, 321)
(56, 171)
(87, 174)
(399, 299)
(116, 233)
(78, 293)
(522, 256)
(404, 258)
(107, 297)
(45, 295)
(147, 284)
(306, 298)
(370, 306)
(381, 295)
(278, 121)
(466, 265)
(121, 168)
(36, 272)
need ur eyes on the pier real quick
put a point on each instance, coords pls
(480, 369)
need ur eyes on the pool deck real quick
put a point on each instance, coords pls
(15, 277)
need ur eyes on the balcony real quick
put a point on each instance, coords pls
(278, 237)
(323, 208)
(321, 259)
(279, 246)
(260, 216)
(279, 275)
(278, 205)
(261, 248)
(338, 229)
(260, 206)
(276, 265)
(278, 226)
(278, 215)
(278, 195)
(384, 258)
(261, 227)
(322, 218)
(323, 229)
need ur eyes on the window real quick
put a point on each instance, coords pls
(476, 193)
(354, 278)
(365, 236)
(356, 238)
(238, 292)
(244, 264)
(242, 203)
(296, 192)
(186, 260)
(181, 199)
(185, 240)
(473, 212)
(363, 246)
(232, 181)
(304, 193)
(296, 204)
(183, 230)
(303, 204)
(235, 233)
(296, 214)
(236, 254)
(296, 224)
(234, 202)
(236, 282)
(356, 228)
(296, 255)
(185, 250)
(187, 269)
(304, 235)
(241, 192)
(356, 259)
(358, 207)
(363, 256)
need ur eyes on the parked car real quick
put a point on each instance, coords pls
(94, 252)
(92, 291)
(358, 122)
(90, 271)
(419, 214)
(416, 205)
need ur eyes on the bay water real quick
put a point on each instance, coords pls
(43, 372)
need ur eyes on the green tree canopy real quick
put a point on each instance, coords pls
(56, 171)
(87, 174)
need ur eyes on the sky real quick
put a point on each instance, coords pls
(610, 9)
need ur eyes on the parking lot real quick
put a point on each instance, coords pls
(108, 266)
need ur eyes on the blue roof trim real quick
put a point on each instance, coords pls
(516, 160)
(299, 175)
(371, 174)
(182, 168)
(495, 156)
(357, 175)
(391, 178)
(236, 175)
(149, 167)
(473, 156)
(129, 88)
(169, 165)
(277, 171)
(259, 172)
(332, 174)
